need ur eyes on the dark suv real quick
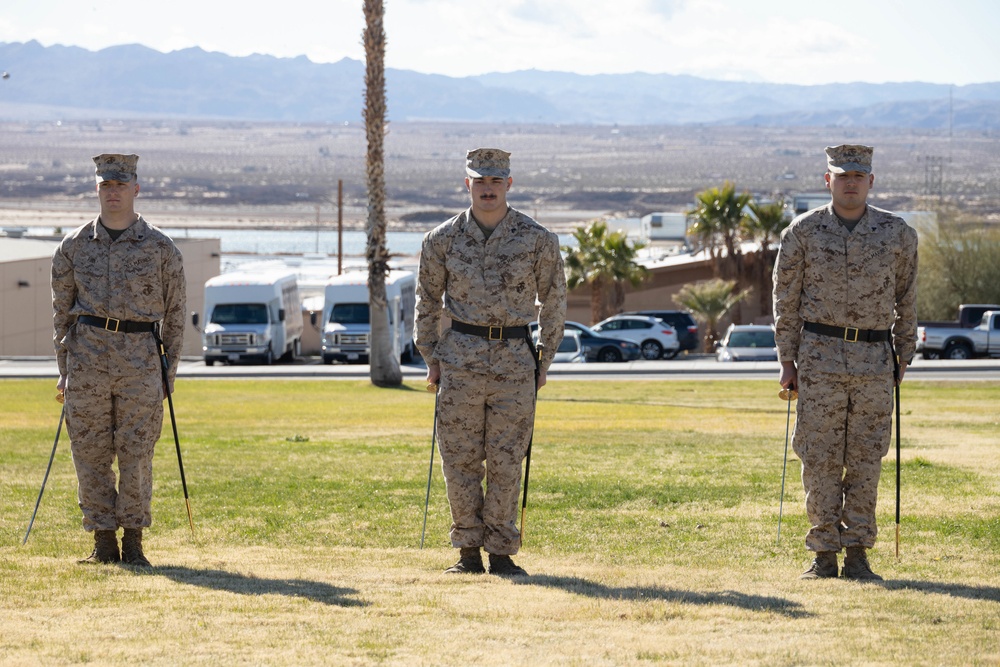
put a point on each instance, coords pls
(681, 321)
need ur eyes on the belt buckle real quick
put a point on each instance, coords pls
(499, 335)
(107, 324)
(847, 331)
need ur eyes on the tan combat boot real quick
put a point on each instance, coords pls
(824, 566)
(504, 566)
(132, 548)
(470, 562)
(856, 566)
(105, 548)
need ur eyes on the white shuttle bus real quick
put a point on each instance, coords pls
(346, 330)
(251, 317)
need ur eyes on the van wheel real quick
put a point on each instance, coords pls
(269, 357)
(210, 362)
(407, 356)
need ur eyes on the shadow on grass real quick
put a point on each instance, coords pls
(990, 593)
(241, 584)
(730, 598)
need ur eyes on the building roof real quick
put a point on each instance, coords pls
(19, 249)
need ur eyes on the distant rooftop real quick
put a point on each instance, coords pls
(17, 249)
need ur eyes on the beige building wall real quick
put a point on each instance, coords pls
(26, 296)
(26, 308)
(656, 293)
(201, 262)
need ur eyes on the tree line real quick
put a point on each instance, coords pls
(959, 260)
(738, 232)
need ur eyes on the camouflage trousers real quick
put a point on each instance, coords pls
(484, 425)
(114, 417)
(842, 432)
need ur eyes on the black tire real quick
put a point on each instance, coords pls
(609, 355)
(957, 350)
(269, 357)
(651, 350)
(210, 362)
(407, 356)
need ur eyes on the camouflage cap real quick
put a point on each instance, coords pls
(115, 167)
(848, 157)
(482, 162)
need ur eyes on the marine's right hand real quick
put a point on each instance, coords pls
(789, 378)
(433, 373)
(61, 384)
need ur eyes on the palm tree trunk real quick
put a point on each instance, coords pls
(596, 300)
(384, 364)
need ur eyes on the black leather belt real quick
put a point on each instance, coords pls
(120, 326)
(850, 334)
(491, 333)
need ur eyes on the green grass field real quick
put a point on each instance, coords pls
(650, 536)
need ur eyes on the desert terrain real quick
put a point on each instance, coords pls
(228, 174)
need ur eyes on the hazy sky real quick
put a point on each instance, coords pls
(783, 41)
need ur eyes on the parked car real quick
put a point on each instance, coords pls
(655, 337)
(747, 342)
(599, 348)
(570, 350)
(682, 322)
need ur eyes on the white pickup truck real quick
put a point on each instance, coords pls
(957, 343)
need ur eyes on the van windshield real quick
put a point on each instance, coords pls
(350, 313)
(239, 313)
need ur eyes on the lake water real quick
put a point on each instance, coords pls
(300, 242)
(277, 242)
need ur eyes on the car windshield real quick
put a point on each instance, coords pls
(350, 313)
(751, 339)
(239, 313)
(568, 344)
(583, 329)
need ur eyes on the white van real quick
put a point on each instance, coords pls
(346, 316)
(251, 316)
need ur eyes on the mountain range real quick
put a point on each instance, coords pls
(134, 81)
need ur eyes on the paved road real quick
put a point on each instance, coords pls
(682, 368)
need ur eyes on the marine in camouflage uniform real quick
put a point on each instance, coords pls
(113, 280)
(844, 298)
(484, 269)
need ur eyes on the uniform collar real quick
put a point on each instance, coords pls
(471, 227)
(136, 231)
(865, 225)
